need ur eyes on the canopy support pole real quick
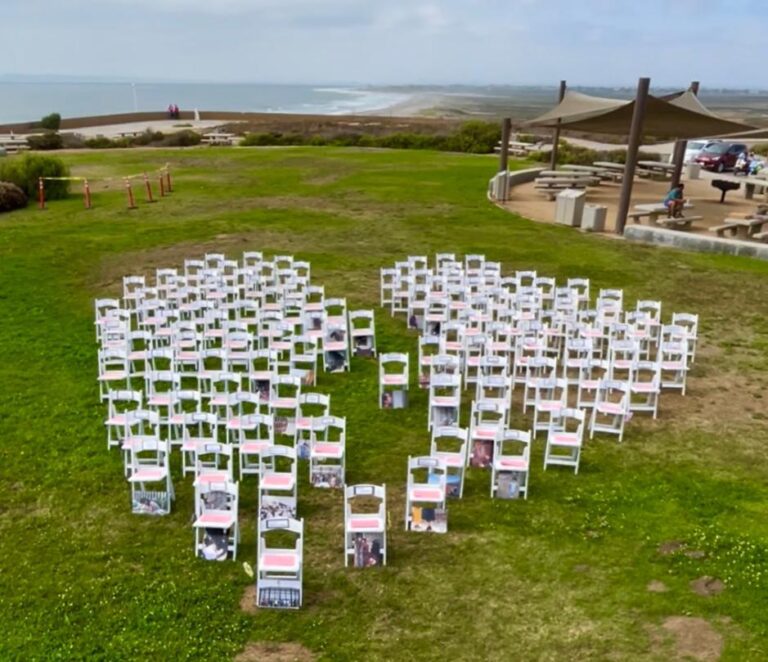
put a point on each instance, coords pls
(680, 147)
(635, 134)
(506, 126)
(556, 132)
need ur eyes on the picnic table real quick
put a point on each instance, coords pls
(656, 213)
(129, 134)
(650, 168)
(743, 228)
(609, 165)
(604, 174)
(518, 148)
(551, 186)
(12, 143)
(219, 138)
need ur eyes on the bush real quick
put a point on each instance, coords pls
(72, 140)
(45, 141)
(185, 138)
(576, 155)
(761, 149)
(100, 142)
(478, 137)
(11, 197)
(25, 171)
(147, 138)
(51, 122)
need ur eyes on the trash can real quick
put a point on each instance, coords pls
(593, 219)
(569, 207)
(693, 171)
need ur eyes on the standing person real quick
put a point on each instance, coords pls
(170, 111)
(674, 201)
(176, 113)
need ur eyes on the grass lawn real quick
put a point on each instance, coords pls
(564, 574)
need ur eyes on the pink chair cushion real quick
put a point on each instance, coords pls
(277, 480)
(278, 560)
(565, 439)
(214, 518)
(427, 494)
(365, 523)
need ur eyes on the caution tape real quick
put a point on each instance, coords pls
(161, 170)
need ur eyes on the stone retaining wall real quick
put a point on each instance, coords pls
(695, 242)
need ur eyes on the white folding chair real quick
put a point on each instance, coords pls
(216, 525)
(565, 439)
(255, 434)
(365, 525)
(121, 404)
(280, 569)
(425, 495)
(393, 380)
(611, 408)
(327, 452)
(511, 464)
(450, 444)
(487, 420)
(149, 468)
(645, 387)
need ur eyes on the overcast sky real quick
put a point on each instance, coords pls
(720, 42)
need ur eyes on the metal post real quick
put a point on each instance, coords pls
(556, 132)
(506, 127)
(678, 157)
(635, 134)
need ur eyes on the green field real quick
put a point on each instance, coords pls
(562, 575)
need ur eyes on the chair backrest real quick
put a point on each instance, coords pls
(516, 443)
(432, 468)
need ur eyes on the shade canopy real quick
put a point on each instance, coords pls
(678, 116)
(755, 134)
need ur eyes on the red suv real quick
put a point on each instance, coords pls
(720, 156)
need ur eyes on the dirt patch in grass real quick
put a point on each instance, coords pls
(670, 547)
(248, 601)
(655, 586)
(707, 586)
(692, 638)
(274, 652)
(709, 400)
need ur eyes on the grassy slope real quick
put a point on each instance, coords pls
(561, 574)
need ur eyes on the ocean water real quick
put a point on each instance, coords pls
(21, 102)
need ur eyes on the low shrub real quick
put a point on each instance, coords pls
(72, 140)
(11, 197)
(51, 122)
(476, 137)
(99, 142)
(761, 148)
(577, 155)
(185, 138)
(45, 141)
(147, 137)
(24, 171)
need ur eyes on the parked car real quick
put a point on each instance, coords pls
(692, 150)
(720, 156)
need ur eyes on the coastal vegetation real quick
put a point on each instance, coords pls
(25, 171)
(607, 564)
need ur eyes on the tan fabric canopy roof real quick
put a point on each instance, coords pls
(679, 118)
(755, 134)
